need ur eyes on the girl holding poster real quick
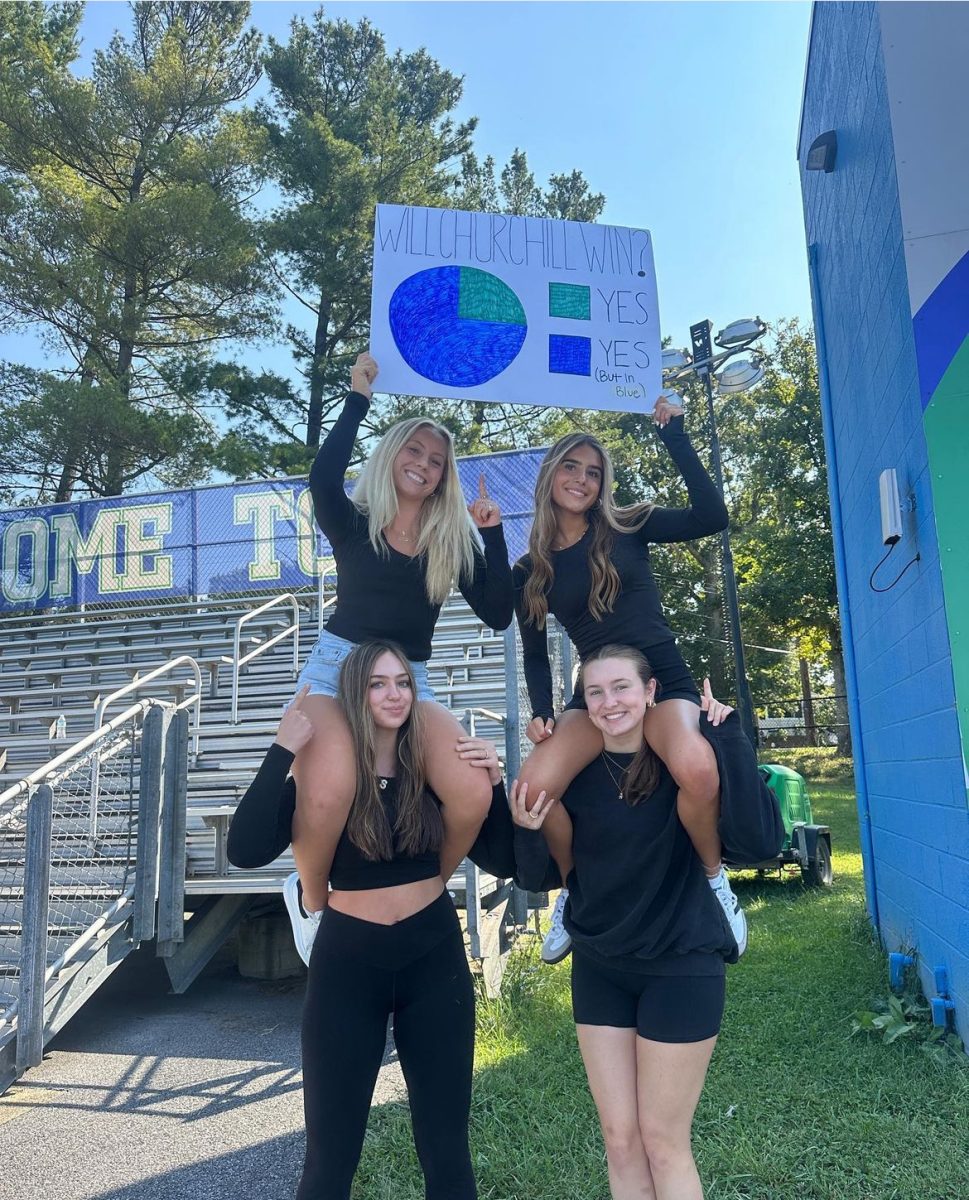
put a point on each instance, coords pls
(400, 544)
(651, 940)
(588, 565)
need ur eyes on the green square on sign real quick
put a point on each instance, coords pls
(569, 300)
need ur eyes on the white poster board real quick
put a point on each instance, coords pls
(517, 310)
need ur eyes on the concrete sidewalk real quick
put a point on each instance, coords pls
(149, 1096)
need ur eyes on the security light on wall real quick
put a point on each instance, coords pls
(891, 507)
(891, 526)
(823, 152)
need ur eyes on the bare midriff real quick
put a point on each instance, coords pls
(388, 905)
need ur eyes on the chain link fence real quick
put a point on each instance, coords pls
(796, 721)
(88, 843)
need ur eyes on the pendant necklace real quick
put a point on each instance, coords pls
(563, 545)
(620, 782)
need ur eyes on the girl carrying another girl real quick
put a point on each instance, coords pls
(389, 944)
(588, 565)
(400, 544)
(650, 939)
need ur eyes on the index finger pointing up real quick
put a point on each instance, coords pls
(482, 487)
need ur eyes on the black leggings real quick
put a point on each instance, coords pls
(361, 973)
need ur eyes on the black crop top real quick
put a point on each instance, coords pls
(263, 821)
(352, 872)
(261, 827)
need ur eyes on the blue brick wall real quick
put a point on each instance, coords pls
(909, 734)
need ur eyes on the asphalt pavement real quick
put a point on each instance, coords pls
(149, 1096)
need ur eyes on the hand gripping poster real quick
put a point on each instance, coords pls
(515, 310)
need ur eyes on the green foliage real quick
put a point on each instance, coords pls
(123, 236)
(818, 764)
(60, 431)
(906, 1014)
(349, 126)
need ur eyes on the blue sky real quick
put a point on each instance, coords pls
(683, 114)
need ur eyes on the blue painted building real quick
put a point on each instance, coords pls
(886, 209)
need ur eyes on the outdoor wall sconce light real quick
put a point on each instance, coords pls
(891, 507)
(891, 511)
(823, 152)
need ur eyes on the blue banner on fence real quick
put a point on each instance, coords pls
(238, 537)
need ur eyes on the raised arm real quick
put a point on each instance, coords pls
(332, 507)
(535, 659)
(706, 512)
(490, 590)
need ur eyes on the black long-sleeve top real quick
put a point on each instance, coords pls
(385, 595)
(261, 827)
(637, 617)
(638, 889)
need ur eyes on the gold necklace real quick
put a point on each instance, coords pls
(620, 782)
(563, 545)
(407, 537)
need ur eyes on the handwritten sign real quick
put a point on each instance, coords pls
(518, 310)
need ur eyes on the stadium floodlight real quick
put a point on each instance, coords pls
(741, 333)
(739, 376)
(675, 360)
(720, 374)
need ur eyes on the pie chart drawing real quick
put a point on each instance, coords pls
(458, 326)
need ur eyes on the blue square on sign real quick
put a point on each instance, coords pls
(569, 355)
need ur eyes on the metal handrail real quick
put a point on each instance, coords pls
(138, 683)
(239, 661)
(135, 684)
(490, 714)
(41, 773)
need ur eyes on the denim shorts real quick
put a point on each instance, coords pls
(322, 669)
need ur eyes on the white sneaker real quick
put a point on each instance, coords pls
(558, 943)
(731, 906)
(305, 925)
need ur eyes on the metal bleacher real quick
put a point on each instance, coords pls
(66, 675)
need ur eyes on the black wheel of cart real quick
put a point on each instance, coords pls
(818, 872)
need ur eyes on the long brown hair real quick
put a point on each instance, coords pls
(418, 827)
(605, 519)
(641, 777)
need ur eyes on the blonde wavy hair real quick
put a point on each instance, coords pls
(605, 519)
(447, 540)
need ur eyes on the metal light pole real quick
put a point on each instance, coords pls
(702, 362)
(700, 335)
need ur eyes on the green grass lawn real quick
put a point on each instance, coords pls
(794, 1108)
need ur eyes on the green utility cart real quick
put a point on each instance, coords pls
(806, 845)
